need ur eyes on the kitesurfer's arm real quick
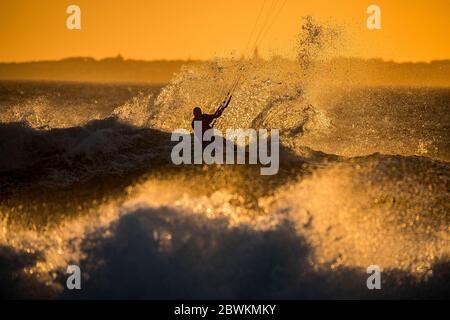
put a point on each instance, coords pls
(208, 118)
(222, 107)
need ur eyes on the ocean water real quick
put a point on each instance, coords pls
(86, 179)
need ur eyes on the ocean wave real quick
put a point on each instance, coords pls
(320, 232)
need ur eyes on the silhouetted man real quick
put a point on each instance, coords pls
(207, 119)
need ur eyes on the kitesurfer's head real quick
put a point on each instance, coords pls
(197, 112)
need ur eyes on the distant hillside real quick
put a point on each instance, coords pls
(339, 71)
(88, 69)
(379, 72)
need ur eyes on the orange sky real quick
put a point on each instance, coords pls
(412, 30)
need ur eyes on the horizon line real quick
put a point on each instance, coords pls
(189, 59)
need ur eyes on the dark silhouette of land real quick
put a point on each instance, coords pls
(388, 73)
(88, 69)
(342, 70)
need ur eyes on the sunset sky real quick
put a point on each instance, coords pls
(412, 30)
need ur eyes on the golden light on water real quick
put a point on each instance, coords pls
(87, 172)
